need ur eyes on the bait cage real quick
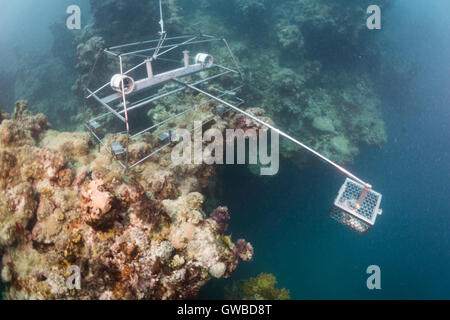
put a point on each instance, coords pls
(356, 207)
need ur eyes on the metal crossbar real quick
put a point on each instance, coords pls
(153, 98)
(146, 42)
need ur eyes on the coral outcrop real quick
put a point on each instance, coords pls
(139, 234)
(261, 287)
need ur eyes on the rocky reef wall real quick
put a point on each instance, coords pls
(139, 234)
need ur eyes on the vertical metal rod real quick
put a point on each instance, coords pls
(125, 109)
(362, 197)
(148, 63)
(161, 21)
(186, 58)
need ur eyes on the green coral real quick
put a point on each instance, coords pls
(262, 287)
(324, 124)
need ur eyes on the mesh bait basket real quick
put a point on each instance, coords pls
(356, 207)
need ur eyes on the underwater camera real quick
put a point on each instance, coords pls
(204, 59)
(128, 83)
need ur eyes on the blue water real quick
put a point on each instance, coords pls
(285, 217)
(25, 23)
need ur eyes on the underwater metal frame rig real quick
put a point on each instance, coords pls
(125, 89)
(356, 205)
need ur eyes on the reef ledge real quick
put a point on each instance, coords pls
(66, 203)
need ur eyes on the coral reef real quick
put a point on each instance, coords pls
(221, 217)
(261, 287)
(244, 250)
(135, 235)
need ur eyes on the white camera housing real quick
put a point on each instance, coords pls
(128, 83)
(204, 59)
